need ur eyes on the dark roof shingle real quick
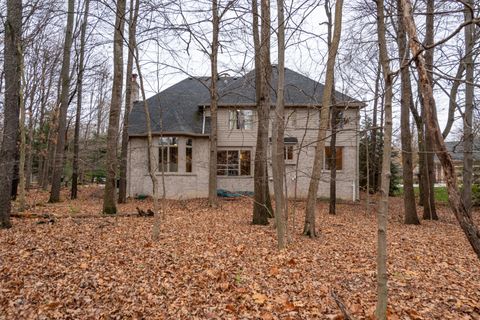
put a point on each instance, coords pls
(176, 109)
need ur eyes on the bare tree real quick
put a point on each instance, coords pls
(468, 112)
(382, 215)
(12, 62)
(109, 205)
(406, 136)
(263, 70)
(456, 203)
(429, 177)
(81, 68)
(132, 29)
(212, 174)
(278, 133)
(64, 101)
(333, 124)
(309, 226)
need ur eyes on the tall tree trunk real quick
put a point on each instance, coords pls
(31, 120)
(333, 159)
(309, 226)
(406, 137)
(333, 124)
(129, 86)
(468, 113)
(81, 68)
(212, 175)
(64, 101)
(109, 205)
(23, 143)
(278, 133)
(382, 215)
(12, 64)
(429, 156)
(261, 197)
(374, 169)
(456, 204)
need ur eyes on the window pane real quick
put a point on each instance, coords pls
(288, 152)
(173, 163)
(189, 142)
(247, 116)
(245, 165)
(188, 159)
(232, 159)
(162, 157)
(338, 158)
(221, 163)
(232, 119)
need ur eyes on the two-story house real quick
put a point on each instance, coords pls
(181, 129)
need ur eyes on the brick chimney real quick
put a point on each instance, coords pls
(135, 88)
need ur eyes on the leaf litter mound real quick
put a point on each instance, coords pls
(213, 264)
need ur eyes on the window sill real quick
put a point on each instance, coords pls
(187, 174)
(234, 177)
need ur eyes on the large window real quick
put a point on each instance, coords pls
(168, 154)
(338, 158)
(240, 119)
(233, 163)
(288, 152)
(188, 155)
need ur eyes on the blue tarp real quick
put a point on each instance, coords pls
(229, 194)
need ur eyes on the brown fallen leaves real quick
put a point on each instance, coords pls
(213, 264)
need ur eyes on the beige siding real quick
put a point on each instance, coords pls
(179, 184)
(303, 125)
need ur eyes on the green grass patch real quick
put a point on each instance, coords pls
(441, 194)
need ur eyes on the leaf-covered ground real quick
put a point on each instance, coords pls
(213, 264)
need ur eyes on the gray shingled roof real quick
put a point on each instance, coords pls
(455, 148)
(299, 91)
(180, 103)
(179, 109)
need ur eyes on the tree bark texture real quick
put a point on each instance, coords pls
(109, 205)
(429, 155)
(468, 113)
(454, 197)
(129, 83)
(212, 175)
(382, 215)
(64, 101)
(278, 133)
(81, 68)
(309, 225)
(12, 64)
(406, 136)
(261, 196)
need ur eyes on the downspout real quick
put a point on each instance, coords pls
(203, 120)
(357, 151)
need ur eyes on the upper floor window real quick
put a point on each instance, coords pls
(168, 154)
(240, 119)
(338, 158)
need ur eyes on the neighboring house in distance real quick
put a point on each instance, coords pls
(181, 126)
(455, 148)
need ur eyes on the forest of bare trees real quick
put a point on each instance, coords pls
(72, 71)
